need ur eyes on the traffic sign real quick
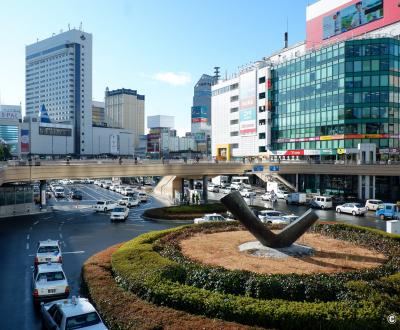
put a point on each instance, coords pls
(258, 168)
(274, 168)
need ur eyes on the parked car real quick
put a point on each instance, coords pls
(49, 283)
(106, 184)
(228, 190)
(388, 211)
(128, 201)
(213, 217)
(321, 202)
(281, 194)
(247, 193)
(76, 194)
(48, 251)
(75, 313)
(119, 189)
(268, 216)
(104, 206)
(59, 192)
(236, 186)
(352, 208)
(119, 213)
(373, 204)
(128, 191)
(142, 197)
(212, 187)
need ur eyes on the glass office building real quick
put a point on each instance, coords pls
(329, 101)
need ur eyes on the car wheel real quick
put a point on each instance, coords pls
(353, 213)
(105, 209)
(322, 207)
(269, 222)
(339, 211)
(367, 208)
(382, 217)
(287, 202)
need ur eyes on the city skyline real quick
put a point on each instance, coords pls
(165, 69)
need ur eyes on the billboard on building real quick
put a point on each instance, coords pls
(326, 24)
(247, 103)
(55, 131)
(114, 144)
(24, 140)
(12, 112)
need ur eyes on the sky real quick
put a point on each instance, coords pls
(159, 48)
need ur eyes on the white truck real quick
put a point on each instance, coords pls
(220, 181)
(296, 198)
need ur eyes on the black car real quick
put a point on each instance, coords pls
(76, 194)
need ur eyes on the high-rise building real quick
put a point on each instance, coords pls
(201, 112)
(124, 108)
(98, 113)
(59, 76)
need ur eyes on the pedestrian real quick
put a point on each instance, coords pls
(244, 160)
(135, 160)
(120, 160)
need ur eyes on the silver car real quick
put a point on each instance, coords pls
(352, 208)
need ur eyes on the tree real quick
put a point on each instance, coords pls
(4, 152)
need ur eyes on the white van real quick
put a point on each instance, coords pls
(322, 202)
(372, 204)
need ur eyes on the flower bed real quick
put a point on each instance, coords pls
(362, 301)
(121, 309)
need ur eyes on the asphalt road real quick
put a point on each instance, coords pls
(81, 232)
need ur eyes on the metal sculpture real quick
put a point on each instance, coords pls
(235, 203)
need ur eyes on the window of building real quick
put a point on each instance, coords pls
(261, 80)
(235, 146)
(261, 149)
(236, 133)
(261, 136)
(261, 95)
(234, 98)
(261, 108)
(234, 121)
(234, 110)
(261, 122)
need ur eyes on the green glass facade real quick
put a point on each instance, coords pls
(338, 97)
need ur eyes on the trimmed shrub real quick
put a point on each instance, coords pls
(140, 269)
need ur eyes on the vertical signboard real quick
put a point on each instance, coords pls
(114, 144)
(24, 140)
(248, 102)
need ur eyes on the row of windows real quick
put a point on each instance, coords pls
(225, 89)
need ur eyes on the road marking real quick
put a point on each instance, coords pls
(61, 236)
(27, 237)
(27, 246)
(30, 228)
(74, 252)
(36, 222)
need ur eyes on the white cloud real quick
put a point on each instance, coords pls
(173, 78)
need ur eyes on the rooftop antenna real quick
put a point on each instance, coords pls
(216, 72)
(80, 26)
(69, 26)
(287, 34)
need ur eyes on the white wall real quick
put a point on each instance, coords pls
(102, 141)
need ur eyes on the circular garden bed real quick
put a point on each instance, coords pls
(154, 268)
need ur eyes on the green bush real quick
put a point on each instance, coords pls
(139, 268)
(307, 287)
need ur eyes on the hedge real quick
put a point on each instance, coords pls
(140, 269)
(121, 309)
(307, 287)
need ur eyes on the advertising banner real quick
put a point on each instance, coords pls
(24, 140)
(247, 104)
(114, 144)
(351, 17)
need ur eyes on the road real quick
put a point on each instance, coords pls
(81, 232)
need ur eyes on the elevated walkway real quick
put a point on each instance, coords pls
(166, 186)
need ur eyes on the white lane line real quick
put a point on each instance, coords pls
(27, 237)
(61, 236)
(74, 252)
(30, 228)
(107, 197)
(85, 191)
(36, 222)
(27, 246)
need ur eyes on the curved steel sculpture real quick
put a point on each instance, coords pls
(235, 203)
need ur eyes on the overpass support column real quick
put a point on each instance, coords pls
(42, 188)
(182, 190)
(373, 178)
(297, 181)
(205, 191)
(191, 184)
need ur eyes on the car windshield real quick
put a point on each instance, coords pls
(50, 277)
(100, 203)
(358, 205)
(82, 321)
(118, 209)
(48, 249)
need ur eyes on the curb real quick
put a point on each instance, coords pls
(167, 221)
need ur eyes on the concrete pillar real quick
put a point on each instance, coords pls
(205, 191)
(367, 183)
(42, 189)
(191, 184)
(360, 187)
(373, 186)
(297, 181)
(182, 189)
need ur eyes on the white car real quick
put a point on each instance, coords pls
(352, 208)
(49, 283)
(48, 251)
(269, 197)
(75, 313)
(106, 184)
(212, 187)
(213, 217)
(59, 192)
(128, 201)
(373, 204)
(104, 206)
(119, 189)
(228, 190)
(128, 191)
(119, 213)
(281, 194)
(268, 216)
(248, 193)
(142, 197)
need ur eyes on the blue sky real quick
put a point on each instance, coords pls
(158, 47)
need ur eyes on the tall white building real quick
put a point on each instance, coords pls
(59, 75)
